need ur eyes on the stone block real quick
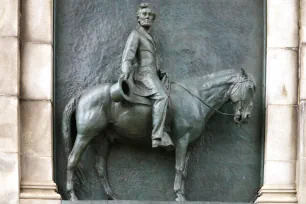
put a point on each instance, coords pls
(9, 124)
(9, 66)
(303, 21)
(282, 76)
(9, 18)
(37, 75)
(279, 172)
(34, 201)
(302, 130)
(303, 61)
(282, 20)
(302, 83)
(301, 180)
(269, 194)
(302, 90)
(37, 20)
(36, 169)
(36, 128)
(281, 132)
(9, 178)
(35, 192)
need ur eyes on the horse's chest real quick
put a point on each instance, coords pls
(134, 121)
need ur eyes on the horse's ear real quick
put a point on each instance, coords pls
(243, 73)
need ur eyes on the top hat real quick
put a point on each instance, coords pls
(120, 90)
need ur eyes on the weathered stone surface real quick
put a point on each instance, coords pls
(302, 81)
(301, 180)
(277, 193)
(303, 61)
(302, 21)
(9, 178)
(282, 76)
(142, 202)
(44, 190)
(301, 162)
(302, 130)
(36, 169)
(9, 18)
(282, 23)
(36, 128)
(36, 66)
(281, 132)
(9, 124)
(37, 201)
(279, 172)
(302, 91)
(37, 20)
(9, 66)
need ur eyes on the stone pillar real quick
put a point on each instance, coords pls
(281, 104)
(37, 185)
(301, 154)
(301, 164)
(9, 101)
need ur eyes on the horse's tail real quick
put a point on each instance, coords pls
(66, 122)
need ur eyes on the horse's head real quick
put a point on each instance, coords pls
(242, 95)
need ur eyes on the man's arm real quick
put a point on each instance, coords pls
(160, 71)
(129, 53)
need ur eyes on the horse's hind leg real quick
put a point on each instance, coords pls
(101, 166)
(81, 142)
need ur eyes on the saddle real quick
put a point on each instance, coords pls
(128, 90)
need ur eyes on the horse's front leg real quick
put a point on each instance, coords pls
(185, 170)
(180, 159)
(101, 167)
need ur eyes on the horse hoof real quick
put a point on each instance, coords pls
(73, 197)
(112, 197)
(180, 198)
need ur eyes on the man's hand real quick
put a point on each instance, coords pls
(125, 76)
(126, 69)
(161, 74)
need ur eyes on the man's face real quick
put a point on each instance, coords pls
(146, 17)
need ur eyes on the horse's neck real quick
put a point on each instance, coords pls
(216, 92)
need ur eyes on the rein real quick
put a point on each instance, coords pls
(195, 95)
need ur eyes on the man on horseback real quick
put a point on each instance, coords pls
(140, 48)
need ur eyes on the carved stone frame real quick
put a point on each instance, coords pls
(26, 72)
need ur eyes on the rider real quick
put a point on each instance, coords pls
(140, 47)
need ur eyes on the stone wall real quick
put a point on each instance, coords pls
(9, 101)
(301, 143)
(36, 102)
(26, 57)
(26, 166)
(281, 102)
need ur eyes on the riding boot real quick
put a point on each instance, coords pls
(165, 142)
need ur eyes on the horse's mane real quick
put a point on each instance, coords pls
(197, 81)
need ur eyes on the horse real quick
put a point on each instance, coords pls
(192, 103)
